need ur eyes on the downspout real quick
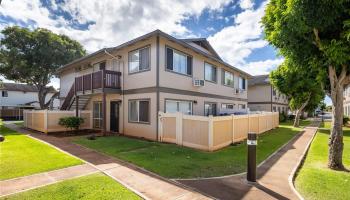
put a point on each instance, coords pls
(157, 89)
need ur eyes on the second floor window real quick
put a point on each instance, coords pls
(242, 83)
(228, 79)
(4, 93)
(139, 60)
(178, 62)
(209, 72)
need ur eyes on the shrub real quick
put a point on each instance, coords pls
(283, 117)
(73, 123)
(345, 120)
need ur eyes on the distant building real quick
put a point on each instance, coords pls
(15, 97)
(263, 97)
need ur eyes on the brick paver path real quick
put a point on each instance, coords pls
(273, 175)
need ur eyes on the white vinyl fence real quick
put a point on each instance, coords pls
(212, 133)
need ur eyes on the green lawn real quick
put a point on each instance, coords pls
(22, 156)
(95, 186)
(173, 161)
(315, 180)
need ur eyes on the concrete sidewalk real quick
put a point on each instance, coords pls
(142, 182)
(273, 175)
(20, 184)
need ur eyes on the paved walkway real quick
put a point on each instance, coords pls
(142, 182)
(20, 184)
(273, 175)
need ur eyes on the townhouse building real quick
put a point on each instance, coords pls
(263, 97)
(128, 85)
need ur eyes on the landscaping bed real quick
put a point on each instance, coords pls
(21, 155)
(95, 186)
(315, 180)
(174, 161)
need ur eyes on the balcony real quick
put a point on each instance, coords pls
(104, 80)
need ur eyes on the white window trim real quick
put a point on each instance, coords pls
(177, 102)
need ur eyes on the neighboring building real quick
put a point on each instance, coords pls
(15, 97)
(154, 72)
(263, 97)
(346, 101)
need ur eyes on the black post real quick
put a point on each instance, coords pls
(251, 168)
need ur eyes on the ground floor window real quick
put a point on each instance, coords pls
(97, 114)
(209, 109)
(139, 111)
(227, 106)
(241, 106)
(172, 106)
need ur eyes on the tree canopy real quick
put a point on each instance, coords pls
(33, 57)
(315, 34)
(302, 87)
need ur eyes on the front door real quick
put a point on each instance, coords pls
(114, 123)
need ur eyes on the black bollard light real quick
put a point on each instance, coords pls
(251, 168)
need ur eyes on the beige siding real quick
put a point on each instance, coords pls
(167, 79)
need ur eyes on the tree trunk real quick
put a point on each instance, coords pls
(297, 118)
(300, 111)
(43, 90)
(336, 133)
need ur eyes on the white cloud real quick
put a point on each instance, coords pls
(114, 22)
(246, 4)
(262, 67)
(236, 43)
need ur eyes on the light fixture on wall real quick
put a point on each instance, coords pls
(195, 101)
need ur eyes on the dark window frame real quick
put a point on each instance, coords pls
(149, 60)
(4, 93)
(172, 70)
(216, 73)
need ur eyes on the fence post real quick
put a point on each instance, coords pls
(233, 128)
(45, 121)
(211, 132)
(179, 128)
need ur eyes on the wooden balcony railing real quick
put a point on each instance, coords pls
(89, 82)
(98, 80)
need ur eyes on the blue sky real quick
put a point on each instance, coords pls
(232, 26)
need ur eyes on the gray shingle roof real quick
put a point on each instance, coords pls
(180, 41)
(259, 80)
(21, 87)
